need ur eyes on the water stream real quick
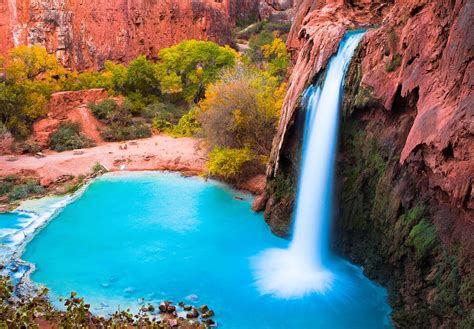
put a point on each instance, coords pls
(305, 266)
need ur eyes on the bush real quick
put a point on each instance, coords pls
(254, 53)
(187, 126)
(242, 109)
(227, 162)
(25, 190)
(165, 111)
(68, 137)
(162, 125)
(117, 132)
(104, 108)
(5, 187)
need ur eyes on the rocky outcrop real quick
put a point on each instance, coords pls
(70, 106)
(85, 34)
(405, 164)
(278, 11)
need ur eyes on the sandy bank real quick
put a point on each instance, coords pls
(155, 153)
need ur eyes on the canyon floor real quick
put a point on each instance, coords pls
(156, 153)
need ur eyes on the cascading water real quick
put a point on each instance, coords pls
(303, 268)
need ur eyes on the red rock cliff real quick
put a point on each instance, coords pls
(83, 34)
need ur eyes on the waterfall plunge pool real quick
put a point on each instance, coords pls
(160, 236)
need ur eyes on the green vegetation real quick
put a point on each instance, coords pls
(23, 98)
(187, 68)
(26, 190)
(256, 42)
(277, 57)
(97, 168)
(242, 110)
(423, 236)
(263, 27)
(194, 87)
(282, 186)
(187, 126)
(226, 162)
(68, 137)
(27, 313)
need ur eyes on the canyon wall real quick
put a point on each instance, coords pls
(83, 34)
(405, 165)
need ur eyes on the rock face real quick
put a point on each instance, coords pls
(70, 106)
(85, 34)
(405, 166)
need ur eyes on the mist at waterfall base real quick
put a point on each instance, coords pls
(307, 266)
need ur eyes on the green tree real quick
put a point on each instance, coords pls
(141, 77)
(190, 66)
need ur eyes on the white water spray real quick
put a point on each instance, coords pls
(303, 267)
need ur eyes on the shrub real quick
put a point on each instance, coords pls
(242, 109)
(282, 186)
(227, 162)
(97, 167)
(5, 187)
(68, 137)
(254, 53)
(165, 111)
(104, 108)
(277, 57)
(25, 190)
(116, 132)
(187, 126)
(162, 125)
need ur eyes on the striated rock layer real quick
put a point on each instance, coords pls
(83, 34)
(86, 33)
(405, 166)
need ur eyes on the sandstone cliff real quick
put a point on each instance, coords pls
(83, 34)
(405, 166)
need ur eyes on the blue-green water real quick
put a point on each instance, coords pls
(161, 236)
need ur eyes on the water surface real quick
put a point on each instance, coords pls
(162, 236)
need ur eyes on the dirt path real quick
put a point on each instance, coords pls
(155, 153)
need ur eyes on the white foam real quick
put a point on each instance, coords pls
(280, 273)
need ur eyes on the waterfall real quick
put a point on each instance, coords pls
(304, 267)
(14, 22)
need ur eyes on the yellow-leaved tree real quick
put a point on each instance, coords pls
(239, 116)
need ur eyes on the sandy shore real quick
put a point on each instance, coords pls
(155, 153)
